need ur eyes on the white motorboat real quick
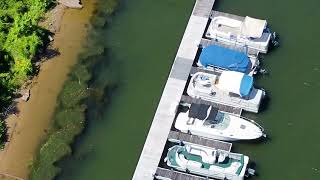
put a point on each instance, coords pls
(229, 88)
(207, 121)
(243, 31)
(208, 162)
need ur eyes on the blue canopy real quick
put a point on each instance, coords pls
(224, 58)
(246, 85)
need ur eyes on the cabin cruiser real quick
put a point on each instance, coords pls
(243, 31)
(229, 88)
(208, 162)
(207, 121)
(220, 58)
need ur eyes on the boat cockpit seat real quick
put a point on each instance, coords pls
(222, 157)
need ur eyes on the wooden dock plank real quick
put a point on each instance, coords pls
(221, 107)
(174, 135)
(176, 175)
(199, 69)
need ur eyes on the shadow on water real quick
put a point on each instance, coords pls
(264, 104)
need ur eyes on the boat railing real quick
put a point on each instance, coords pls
(228, 100)
(254, 122)
(244, 103)
(244, 44)
(253, 69)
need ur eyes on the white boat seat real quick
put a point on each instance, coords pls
(193, 164)
(222, 157)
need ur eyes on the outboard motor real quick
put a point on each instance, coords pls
(274, 39)
(274, 35)
(251, 172)
(263, 71)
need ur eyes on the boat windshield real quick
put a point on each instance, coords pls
(219, 121)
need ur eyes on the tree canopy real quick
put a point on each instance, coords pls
(20, 38)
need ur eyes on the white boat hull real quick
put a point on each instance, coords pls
(234, 132)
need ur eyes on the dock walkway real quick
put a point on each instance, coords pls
(173, 90)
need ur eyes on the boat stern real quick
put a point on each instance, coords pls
(245, 167)
(254, 99)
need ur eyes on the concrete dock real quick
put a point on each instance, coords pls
(173, 90)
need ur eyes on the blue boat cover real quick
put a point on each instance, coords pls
(224, 58)
(246, 85)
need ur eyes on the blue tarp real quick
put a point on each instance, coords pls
(246, 85)
(224, 58)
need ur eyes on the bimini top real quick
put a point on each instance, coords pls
(235, 82)
(200, 111)
(252, 27)
(224, 58)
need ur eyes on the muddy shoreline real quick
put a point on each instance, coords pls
(28, 128)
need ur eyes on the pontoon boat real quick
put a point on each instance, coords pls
(243, 31)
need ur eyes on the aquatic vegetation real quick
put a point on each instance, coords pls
(68, 122)
(69, 119)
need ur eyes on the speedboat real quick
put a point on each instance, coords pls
(207, 121)
(208, 162)
(229, 88)
(220, 58)
(243, 31)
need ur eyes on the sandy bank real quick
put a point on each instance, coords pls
(29, 127)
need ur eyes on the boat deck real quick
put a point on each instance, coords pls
(176, 175)
(234, 30)
(231, 16)
(174, 136)
(173, 90)
(221, 107)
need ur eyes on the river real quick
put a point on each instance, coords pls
(142, 40)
